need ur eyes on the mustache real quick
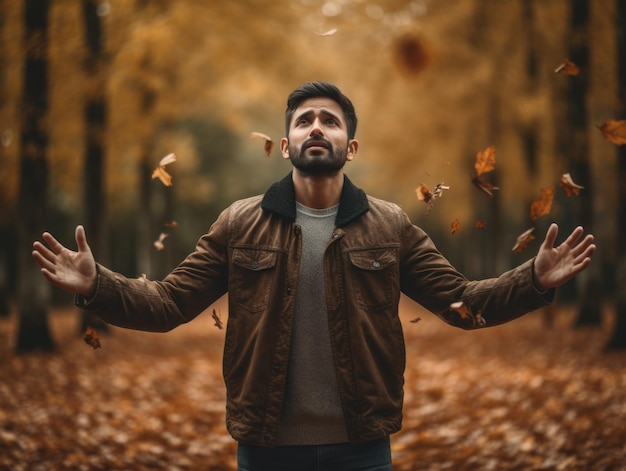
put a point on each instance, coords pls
(317, 140)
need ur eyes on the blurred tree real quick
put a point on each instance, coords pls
(95, 112)
(578, 150)
(33, 290)
(618, 339)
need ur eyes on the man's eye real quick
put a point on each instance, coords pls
(331, 122)
(301, 121)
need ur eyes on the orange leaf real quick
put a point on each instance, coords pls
(171, 224)
(569, 186)
(159, 242)
(462, 309)
(614, 130)
(269, 144)
(523, 240)
(480, 224)
(160, 172)
(218, 320)
(567, 67)
(485, 161)
(542, 205)
(455, 226)
(91, 338)
(427, 196)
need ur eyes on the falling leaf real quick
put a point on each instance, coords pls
(454, 226)
(269, 144)
(416, 320)
(567, 67)
(485, 162)
(91, 338)
(462, 309)
(427, 196)
(330, 32)
(480, 224)
(542, 205)
(171, 224)
(569, 186)
(218, 319)
(466, 313)
(160, 172)
(159, 242)
(523, 240)
(614, 130)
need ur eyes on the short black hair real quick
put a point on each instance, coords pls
(316, 90)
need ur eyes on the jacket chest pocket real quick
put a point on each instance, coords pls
(372, 274)
(252, 277)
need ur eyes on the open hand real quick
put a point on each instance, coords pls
(71, 271)
(556, 265)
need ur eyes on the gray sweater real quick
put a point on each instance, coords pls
(312, 413)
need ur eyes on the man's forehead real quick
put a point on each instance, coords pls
(319, 104)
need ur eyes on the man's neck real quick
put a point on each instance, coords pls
(318, 192)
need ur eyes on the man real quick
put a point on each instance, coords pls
(314, 353)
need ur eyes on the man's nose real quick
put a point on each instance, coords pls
(316, 128)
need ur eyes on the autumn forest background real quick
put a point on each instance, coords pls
(93, 94)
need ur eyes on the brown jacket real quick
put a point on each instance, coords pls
(252, 252)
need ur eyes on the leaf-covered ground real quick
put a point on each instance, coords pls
(515, 397)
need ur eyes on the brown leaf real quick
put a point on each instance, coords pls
(91, 338)
(427, 196)
(218, 319)
(485, 161)
(486, 187)
(480, 224)
(569, 186)
(523, 240)
(269, 144)
(567, 67)
(160, 172)
(542, 205)
(454, 226)
(171, 224)
(614, 130)
(159, 242)
(462, 309)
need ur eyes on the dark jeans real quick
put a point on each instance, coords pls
(372, 456)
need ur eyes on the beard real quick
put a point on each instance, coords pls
(317, 164)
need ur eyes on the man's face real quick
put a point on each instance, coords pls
(318, 144)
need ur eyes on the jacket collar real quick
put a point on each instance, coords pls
(280, 198)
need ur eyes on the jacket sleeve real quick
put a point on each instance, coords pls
(159, 306)
(429, 278)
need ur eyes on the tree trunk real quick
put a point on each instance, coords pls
(618, 339)
(95, 113)
(588, 283)
(33, 290)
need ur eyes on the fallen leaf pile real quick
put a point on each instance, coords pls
(514, 397)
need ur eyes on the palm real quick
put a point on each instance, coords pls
(556, 265)
(69, 270)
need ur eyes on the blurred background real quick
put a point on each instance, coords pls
(94, 93)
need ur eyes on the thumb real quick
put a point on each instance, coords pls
(553, 230)
(81, 239)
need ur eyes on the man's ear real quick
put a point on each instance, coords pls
(284, 147)
(353, 147)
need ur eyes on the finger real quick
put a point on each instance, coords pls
(574, 236)
(43, 251)
(54, 244)
(553, 231)
(81, 239)
(43, 262)
(583, 246)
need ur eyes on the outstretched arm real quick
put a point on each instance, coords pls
(556, 265)
(71, 271)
